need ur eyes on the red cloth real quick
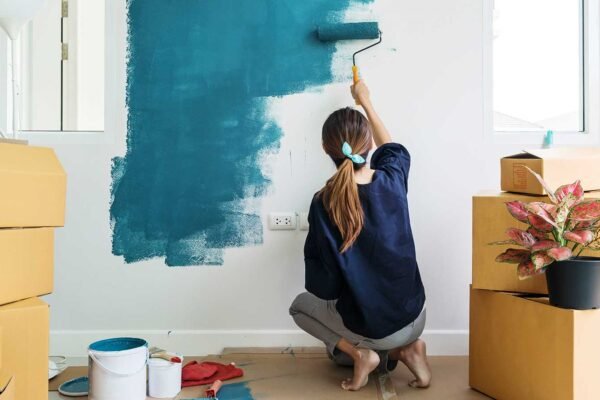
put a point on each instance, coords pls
(206, 372)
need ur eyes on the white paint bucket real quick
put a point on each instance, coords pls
(117, 369)
(164, 378)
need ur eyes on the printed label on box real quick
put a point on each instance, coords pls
(519, 176)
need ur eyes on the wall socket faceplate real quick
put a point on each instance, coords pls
(282, 221)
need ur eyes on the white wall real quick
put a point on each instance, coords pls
(428, 90)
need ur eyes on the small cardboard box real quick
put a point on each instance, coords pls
(33, 185)
(522, 349)
(491, 219)
(558, 167)
(25, 334)
(26, 263)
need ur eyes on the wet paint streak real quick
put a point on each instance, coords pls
(235, 391)
(199, 73)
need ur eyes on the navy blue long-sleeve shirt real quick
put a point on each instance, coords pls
(376, 281)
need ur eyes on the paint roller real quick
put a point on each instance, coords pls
(351, 31)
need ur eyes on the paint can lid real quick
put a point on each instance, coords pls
(75, 387)
(162, 363)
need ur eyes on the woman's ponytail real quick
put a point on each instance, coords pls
(340, 197)
(347, 138)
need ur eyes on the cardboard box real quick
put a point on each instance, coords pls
(7, 387)
(523, 349)
(557, 166)
(26, 263)
(33, 187)
(491, 219)
(25, 334)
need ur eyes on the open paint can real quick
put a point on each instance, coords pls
(117, 369)
(164, 377)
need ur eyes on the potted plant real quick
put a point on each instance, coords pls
(556, 235)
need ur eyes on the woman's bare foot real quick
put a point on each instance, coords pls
(365, 361)
(414, 356)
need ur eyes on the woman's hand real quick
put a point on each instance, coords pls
(360, 92)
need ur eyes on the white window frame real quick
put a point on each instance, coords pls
(115, 116)
(591, 85)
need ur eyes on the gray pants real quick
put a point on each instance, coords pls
(321, 319)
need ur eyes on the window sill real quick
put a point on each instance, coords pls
(537, 138)
(49, 138)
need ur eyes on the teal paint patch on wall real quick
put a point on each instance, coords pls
(198, 75)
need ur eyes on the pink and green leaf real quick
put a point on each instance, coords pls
(591, 224)
(595, 243)
(544, 185)
(517, 210)
(550, 208)
(540, 209)
(514, 256)
(583, 237)
(544, 245)
(539, 224)
(586, 211)
(520, 237)
(560, 253)
(570, 194)
(541, 260)
(527, 269)
(538, 234)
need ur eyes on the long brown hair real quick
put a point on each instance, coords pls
(340, 193)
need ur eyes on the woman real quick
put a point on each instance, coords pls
(365, 299)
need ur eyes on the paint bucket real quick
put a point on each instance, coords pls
(117, 369)
(164, 378)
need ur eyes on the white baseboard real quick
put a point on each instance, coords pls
(74, 343)
(442, 342)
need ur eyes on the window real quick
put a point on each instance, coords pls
(539, 62)
(60, 68)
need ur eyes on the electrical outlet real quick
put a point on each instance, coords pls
(279, 221)
(303, 221)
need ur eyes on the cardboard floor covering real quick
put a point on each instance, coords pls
(277, 374)
(450, 378)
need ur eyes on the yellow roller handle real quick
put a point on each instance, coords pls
(355, 78)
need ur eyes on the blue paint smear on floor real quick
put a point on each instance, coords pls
(235, 391)
(198, 75)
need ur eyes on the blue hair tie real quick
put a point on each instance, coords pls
(356, 158)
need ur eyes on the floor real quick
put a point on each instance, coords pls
(302, 376)
(450, 381)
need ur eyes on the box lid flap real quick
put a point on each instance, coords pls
(27, 303)
(523, 155)
(29, 159)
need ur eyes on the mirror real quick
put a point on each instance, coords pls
(62, 67)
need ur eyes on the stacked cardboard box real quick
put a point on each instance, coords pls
(32, 203)
(522, 348)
